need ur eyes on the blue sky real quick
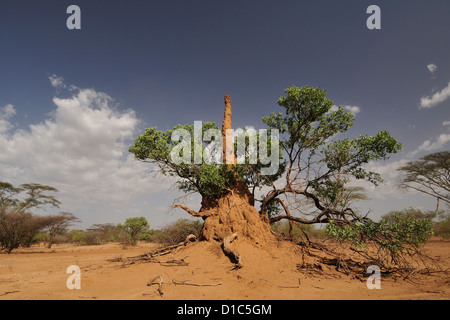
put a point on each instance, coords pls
(72, 101)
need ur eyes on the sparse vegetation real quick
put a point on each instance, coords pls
(442, 226)
(297, 232)
(18, 225)
(429, 175)
(177, 232)
(132, 229)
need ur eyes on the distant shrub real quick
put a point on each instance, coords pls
(77, 236)
(442, 227)
(105, 232)
(177, 231)
(19, 229)
(146, 235)
(92, 238)
(440, 220)
(132, 229)
(310, 230)
(42, 236)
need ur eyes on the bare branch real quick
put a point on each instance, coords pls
(193, 213)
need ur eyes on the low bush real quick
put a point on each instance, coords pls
(309, 230)
(177, 231)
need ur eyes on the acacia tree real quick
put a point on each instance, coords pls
(310, 178)
(18, 225)
(429, 175)
(26, 196)
(58, 224)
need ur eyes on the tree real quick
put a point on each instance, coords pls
(106, 231)
(18, 225)
(27, 196)
(18, 229)
(133, 228)
(318, 167)
(314, 165)
(410, 213)
(429, 175)
(57, 225)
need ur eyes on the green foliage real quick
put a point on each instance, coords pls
(210, 178)
(410, 213)
(346, 156)
(42, 236)
(308, 128)
(26, 197)
(440, 219)
(155, 146)
(146, 235)
(19, 229)
(18, 225)
(133, 228)
(316, 165)
(77, 236)
(307, 122)
(106, 232)
(397, 234)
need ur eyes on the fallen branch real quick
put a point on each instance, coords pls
(160, 283)
(183, 282)
(229, 251)
(150, 257)
(174, 263)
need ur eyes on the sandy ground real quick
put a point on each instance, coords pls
(40, 273)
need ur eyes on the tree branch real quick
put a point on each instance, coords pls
(200, 214)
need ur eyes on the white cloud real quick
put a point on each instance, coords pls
(82, 150)
(57, 82)
(432, 68)
(446, 123)
(436, 98)
(430, 146)
(6, 113)
(353, 109)
(391, 176)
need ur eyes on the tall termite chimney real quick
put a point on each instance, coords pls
(227, 135)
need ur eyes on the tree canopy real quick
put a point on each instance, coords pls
(314, 166)
(429, 175)
(18, 225)
(318, 166)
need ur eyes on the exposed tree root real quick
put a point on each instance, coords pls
(317, 259)
(233, 254)
(160, 283)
